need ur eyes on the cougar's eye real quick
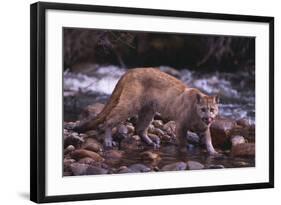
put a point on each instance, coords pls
(203, 109)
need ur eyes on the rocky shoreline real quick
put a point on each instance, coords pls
(84, 153)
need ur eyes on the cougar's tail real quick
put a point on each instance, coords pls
(101, 117)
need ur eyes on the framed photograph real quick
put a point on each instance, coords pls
(129, 102)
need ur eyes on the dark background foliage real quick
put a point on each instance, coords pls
(138, 49)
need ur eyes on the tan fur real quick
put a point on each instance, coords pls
(144, 91)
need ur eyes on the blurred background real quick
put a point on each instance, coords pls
(138, 49)
(94, 60)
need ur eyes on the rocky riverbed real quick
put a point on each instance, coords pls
(233, 132)
(84, 154)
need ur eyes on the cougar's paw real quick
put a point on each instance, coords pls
(154, 145)
(108, 143)
(215, 154)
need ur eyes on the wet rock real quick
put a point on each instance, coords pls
(92, 133)
(92, 145)
(158, 116)
(69, 149)
(193, 165)
(156, 134)
(192, 138)
(124, 169)
(167, 138)
(114, 154)
(83, 135)
(130, 128)
(227, 152)
(177, 166)
(248, 132)
(95, 170)
(95, 135)
(136, 137)
(215, 166)
(243, 150)
(82, 153)
(78, 168)
(237, 139)
(150, 128)
(72, 139)
(139, 168)
(113, 157)
(74, 134)
(69, 160)
(240, 164)
(170, 128)
(122, 129)
(67, 163)
(170, 149)
(130, 144)
(86, 160)
(157, 123)
(86, 169)
(150, 156)
(221, 130)
(244, 122)
(70, 125)
(114, 130)
(91, 111)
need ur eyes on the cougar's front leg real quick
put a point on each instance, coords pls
(206, 136)
(181, 138)
(145, 117)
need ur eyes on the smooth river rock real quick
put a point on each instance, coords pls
(139, 168)
(82, 153)
(78, 168)
(243, 150)
(72, 139)
(237, 139)
(177, 166)
(92, 145)
(113, 157)
(221, 130)
(193, 165)
(86, 169)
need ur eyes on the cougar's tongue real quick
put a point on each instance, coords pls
(208, 120)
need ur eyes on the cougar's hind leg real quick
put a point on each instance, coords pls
(145, 117)
(117, 115)
(108, 142)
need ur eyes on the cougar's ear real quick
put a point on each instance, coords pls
(217, 98)
(198, 98)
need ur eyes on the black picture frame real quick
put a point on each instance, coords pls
(38, 100)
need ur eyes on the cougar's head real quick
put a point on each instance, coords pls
(207, 108)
